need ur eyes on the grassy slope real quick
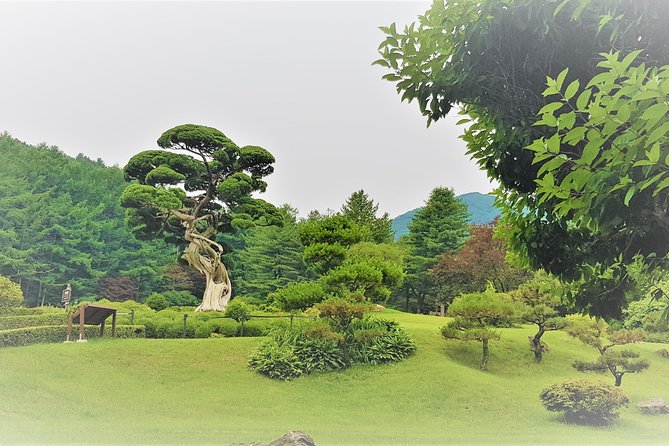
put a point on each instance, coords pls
(199, 392)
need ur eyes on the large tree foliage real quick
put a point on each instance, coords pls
(579, 206)
(437, 228)
(362, 210)
(269, 257)
(62, 223)
(200, 184)
(481, 259)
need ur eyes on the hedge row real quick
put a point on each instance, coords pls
(57, 333)
(32, 320)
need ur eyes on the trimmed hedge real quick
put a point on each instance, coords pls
(33, 320)
(57, 333)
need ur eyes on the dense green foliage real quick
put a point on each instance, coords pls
(565, 214)
(298, 296)
(62, 223)
(11, 295)
(265, 259)
(362, 210)
(321, 347)
(585, 402)
(437, 228)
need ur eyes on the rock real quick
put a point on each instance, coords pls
(653, 406)
(294, 438)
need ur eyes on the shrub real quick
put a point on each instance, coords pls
(276, 359)
(298, 296)
(341, 312)
(585, 402)
(180, 298)
(237, 309)
(57, 333)
(317, 354)
(11, 295)
(33, 320)
(157, 302)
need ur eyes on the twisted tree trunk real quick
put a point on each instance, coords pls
(204, 255)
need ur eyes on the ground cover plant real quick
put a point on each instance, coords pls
(161, 391)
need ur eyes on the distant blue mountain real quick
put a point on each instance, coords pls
(481, 209)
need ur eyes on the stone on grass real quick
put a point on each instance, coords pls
(292, 438)
(653, 406)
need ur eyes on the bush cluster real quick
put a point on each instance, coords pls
(316, 347)
(57, 333)
(584, 402)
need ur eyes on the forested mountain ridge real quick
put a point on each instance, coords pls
(61, 222)
(481, 209)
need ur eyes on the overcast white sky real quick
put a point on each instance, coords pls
(106, 79)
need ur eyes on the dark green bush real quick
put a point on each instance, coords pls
(181, 299)
(33, 320)
(157, 302)
(237, 309)
(276, 359)
(584, 402)
(316, 347)
(316, 354)
(58, 333)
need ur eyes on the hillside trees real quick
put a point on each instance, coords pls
(62, 223)
(439, 227)
(491, 58)
(198, 185)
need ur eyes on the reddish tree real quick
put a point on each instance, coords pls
(117, 288)
(481, 260)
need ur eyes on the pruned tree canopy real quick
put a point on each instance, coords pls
(200, 184)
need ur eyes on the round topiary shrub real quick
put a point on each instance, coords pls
(11, 295)
(584, 402)
(157, 302)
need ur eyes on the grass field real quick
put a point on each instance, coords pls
(199, 391)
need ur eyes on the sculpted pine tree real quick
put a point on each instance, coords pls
(192, 196)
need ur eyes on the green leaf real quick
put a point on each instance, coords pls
(655, 112)
(583, 99)
(560, 79)
(550, 108)
(628, 196)
(571, 90)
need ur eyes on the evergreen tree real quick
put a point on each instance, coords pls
(362, 210)
(439, 227)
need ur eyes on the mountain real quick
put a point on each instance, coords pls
(481, 209)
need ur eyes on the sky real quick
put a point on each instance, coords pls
(105, 79)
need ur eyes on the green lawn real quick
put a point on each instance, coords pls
(199, 391)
